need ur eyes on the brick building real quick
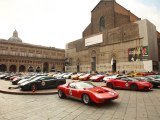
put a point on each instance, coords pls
(16, 56)
(115, 40)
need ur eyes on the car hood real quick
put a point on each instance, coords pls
(23, 80)
(25, 83)
(99, 90)
(144, 83)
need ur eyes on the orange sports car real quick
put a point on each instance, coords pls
(85, 77)
(76, 76)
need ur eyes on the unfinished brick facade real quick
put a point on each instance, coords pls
(113, 32)
(114, 15)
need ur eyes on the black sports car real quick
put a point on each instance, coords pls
(42, 82)
(153, 81)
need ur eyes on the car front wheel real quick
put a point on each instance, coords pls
(86, 99)
(61, 94)
(134, 87)
(110, 85)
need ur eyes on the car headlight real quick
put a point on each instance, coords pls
(111, 93)
(97, 95)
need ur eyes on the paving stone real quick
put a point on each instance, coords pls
(131, 105)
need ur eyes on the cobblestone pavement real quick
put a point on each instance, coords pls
(130, 106)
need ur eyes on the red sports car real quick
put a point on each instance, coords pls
(128, 83)
(97, 78)
(86, 92)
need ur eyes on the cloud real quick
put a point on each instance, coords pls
(56, 22)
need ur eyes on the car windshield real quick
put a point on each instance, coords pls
(81, 85)
(132, 79)
(128, 78)
(145, 78)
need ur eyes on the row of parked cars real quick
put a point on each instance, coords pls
(111, 80)
(88, 93)
(33, 81)
(84, 89)
(132, 81)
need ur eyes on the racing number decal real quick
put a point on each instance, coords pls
(70, 92)
(127, 84)
(43, 83)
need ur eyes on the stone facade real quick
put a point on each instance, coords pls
(16, 56)
(111, 39)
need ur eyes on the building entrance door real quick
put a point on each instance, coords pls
(114, 66)
(45, 67)
(78, 68)
(93, 63)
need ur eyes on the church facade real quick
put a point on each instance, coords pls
(115, 40)
(16, 56)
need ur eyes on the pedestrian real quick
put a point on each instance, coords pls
(33, 88)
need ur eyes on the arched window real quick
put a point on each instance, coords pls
(101, 24)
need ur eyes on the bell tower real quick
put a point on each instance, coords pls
(15, 33)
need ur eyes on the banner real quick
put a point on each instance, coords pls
(138, 53)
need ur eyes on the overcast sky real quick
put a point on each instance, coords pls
(54, 23)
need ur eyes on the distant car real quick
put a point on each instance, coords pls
(42, 82)
(28, 78)
(155, 76)
(128, 83)
(67, 75)
(139, 74)
(16, 80)
(148, 73)
(97, 78)
(60, 75)
(2, 76)
(87, 92)
(153, 81)
(111, 77)
(84, 77)
(76, 76)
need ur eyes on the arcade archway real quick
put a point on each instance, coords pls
(3, 68)
(53, 69)
(13, 68)
(30, 69)
(22, 68)
(38, 69)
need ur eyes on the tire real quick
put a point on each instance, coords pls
(134, 87)
(86, 99)
(155, 86)
(61, 94)
(110, 85)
